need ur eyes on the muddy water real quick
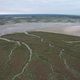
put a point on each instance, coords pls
(66, 28)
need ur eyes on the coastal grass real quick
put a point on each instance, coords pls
(54, 56)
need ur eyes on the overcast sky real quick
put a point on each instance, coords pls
(40, 7)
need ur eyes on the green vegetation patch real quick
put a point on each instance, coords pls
(39, 56)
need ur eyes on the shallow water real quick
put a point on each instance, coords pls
(66, 28)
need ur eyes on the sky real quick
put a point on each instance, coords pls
(40, 7)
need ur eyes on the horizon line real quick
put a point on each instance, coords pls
(38, 14)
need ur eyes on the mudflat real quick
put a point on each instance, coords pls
(63, 28)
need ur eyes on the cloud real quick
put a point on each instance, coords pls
(17, 10)
(40, 6)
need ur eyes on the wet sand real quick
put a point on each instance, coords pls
(63, 28)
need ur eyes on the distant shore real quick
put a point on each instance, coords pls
(63, 28)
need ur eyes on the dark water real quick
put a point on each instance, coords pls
(4, 19)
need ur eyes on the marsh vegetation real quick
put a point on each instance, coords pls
(39, 56)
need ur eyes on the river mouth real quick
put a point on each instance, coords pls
(63, 28)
